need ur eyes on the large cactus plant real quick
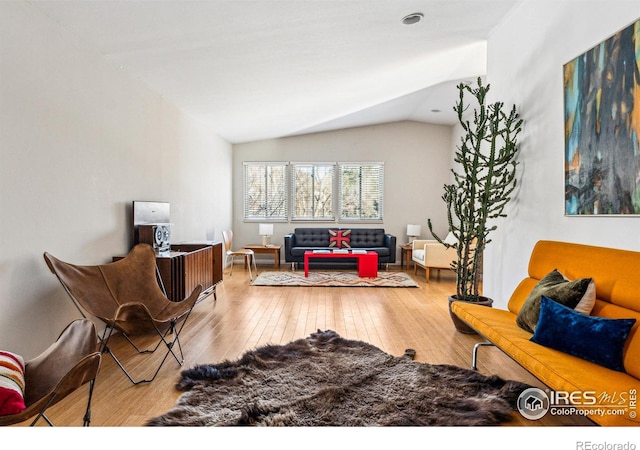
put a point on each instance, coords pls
(484, 179)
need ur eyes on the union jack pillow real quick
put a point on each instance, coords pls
(340, 238)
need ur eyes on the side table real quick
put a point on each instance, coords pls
(267, 249)
(406, 252)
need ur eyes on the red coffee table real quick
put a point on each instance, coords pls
(367, 262)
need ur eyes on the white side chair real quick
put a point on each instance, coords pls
(431, 254)
(247, 254)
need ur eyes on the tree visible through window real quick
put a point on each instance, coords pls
(312, 192)
(361, 191)
(319, 191)
(265, 191)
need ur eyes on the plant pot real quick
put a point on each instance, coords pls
(460, 325)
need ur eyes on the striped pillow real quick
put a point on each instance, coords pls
(11, 383)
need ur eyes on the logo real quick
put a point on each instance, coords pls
(533, 403)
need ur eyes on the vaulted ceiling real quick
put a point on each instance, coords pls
(260, 69)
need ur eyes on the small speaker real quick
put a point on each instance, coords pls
(157, 235)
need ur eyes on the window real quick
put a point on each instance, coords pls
(265, 191)
(312, 189)
(348, 192)
(361, 191)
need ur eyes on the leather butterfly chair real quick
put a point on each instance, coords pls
(69, 363)
(125, 295)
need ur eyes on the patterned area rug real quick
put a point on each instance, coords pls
(334, 279)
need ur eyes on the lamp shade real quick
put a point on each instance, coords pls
(413, 230)
(265, 229)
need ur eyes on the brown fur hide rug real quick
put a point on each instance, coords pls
(325, 380)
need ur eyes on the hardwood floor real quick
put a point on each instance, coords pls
(245, 316)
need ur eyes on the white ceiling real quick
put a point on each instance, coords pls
(259, 69)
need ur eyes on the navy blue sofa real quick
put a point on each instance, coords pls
(304, 239)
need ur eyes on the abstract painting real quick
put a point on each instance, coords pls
(602, 127)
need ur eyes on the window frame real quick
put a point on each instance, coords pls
(380, 192)
(245, 200)
(337, 192)
(293, 191)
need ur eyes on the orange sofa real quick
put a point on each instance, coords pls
(616, 274)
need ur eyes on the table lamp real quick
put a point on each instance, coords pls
(266, 231)
(413, 232)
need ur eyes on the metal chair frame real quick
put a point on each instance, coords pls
(109, 331)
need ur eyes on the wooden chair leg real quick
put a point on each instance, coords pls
(247, 259)
(427, 272)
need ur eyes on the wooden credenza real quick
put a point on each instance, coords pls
(187, 265)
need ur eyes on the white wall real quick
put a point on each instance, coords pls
(526, 56)
(79, 142)
(417, 164)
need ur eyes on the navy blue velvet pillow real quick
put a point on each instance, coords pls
(596, 339)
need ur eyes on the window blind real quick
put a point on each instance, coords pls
(361, 189)
(312, 189)
(265, 190)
